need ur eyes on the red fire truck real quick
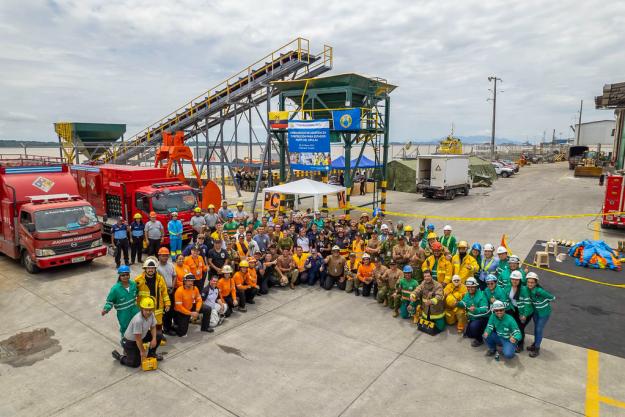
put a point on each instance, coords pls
(120, 190)
(614, 202)
(44, 222)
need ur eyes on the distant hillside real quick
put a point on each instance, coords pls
(28, 143)
(470, 140)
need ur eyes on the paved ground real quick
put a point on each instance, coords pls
(309, 352)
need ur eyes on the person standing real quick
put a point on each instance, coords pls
(166, 269)
(437, 263)
(521, 308)
(189, 306)
(119, 233)
(501, 330)
(475, 305)
(154, 234)
(174, 227)
(180, 270)
(448, 240)
(387, 284)
(217, 258)
(488, 266)
(224, 211)
(541, 301)
(197, 223)
(122, 296)
(141, 329)
(211, 218)
(464, 264)
(137, 235)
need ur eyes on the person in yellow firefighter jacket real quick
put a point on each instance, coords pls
(453, 293)
(437, 263)
(465, 265)
(151, 284)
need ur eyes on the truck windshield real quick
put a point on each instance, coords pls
(65, 219)
(179, 200)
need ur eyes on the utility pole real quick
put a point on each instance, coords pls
(579, 125)
(493, 79)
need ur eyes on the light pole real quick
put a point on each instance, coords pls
(493, 79)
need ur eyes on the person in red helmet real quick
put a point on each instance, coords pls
(437, 263)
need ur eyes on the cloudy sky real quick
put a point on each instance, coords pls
(135, 61)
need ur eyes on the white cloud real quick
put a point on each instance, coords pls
(135, 61)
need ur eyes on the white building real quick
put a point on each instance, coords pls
(594, 133)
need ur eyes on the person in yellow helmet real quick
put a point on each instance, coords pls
(211, 218)
(453, 293)
(429, 238)
(465, 265)
(437, 263)
(140, 330)
(408, 232)
(137, 231)
(240, 215)
(152, 285)
(197, 223)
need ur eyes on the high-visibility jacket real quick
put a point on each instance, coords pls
(197, 266)
(505, 327)
(244, 249)
(160, 296)
(465, 268)
(226, 287)
(180, 272)
(432, 291)
(125, 302)
(186, 299)
(241, 280)
(358, 247)
(300, 261)
(252, 277)
(453, 294)
(442, 269)
(365, 272)
(541, 300)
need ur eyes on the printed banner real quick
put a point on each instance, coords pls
(278, 119)
(309, 145)
(346, 119)
(272, 201)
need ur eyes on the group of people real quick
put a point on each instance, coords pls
(419, 275)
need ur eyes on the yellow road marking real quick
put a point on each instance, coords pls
(593, 397)
(596, 231)
(576, 276)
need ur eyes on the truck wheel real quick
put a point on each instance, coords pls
(505, 174)
(451, 194)
(28, 263)
(466, 190)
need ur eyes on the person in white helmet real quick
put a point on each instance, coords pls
(448, 240)
(475, 305)
(503, 267)
(501, 330)
(541, 301)
(488, 265)
(519, 308)
(503, 279)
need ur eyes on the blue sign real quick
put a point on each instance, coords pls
(346, 119)
(309, 145)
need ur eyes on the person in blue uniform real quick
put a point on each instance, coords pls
(137, 236)
(119, 234)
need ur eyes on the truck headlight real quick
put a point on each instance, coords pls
(96, 243)
(44, 252)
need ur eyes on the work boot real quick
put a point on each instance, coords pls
(531, 348)
(116, 355)
(535, 352)
(356, 292)
(242, 309)
(292, 286)
(208, 329)
(395, 313)
(477, 343)
(491, 352)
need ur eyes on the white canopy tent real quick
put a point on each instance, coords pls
(306, 187)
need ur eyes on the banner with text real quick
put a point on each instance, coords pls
(309, 145)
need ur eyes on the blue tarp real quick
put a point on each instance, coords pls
(595, 254)
(365, 163)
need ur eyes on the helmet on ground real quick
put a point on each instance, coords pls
(152, 214)
(501, 250)
(463, 244)
(366, 256)
(227, 269)
(147, 303)
(437, 246)
(163, 251)
(431, 235)
(498, 305)
(476, 246)
(447, 228)
(532, 275)
(335, 248)
(407, 269)
(491, 278)
(197, 210)
(239, 203)
(488, 247)
(431, 227)
(408, 228)
(471, 282)
(514, 259)
(137, 216)
(150, 262)
(244, 264)
(189, 277)
(124, 269)
(174, 214)
(516, 275)
(211, 206)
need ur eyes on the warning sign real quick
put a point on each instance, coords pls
(272, 201)
(44, 184)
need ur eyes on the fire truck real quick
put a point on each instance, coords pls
(122, 191)
(614, 203)
(44, 222)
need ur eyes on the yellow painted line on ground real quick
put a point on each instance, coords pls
(594, 281)
(596, 231)
(593, 398)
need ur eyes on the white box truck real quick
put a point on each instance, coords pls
(443, 176)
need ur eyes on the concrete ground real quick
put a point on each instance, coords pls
(310, 352)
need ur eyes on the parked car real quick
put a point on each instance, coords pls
(510, 164)
(502, 170)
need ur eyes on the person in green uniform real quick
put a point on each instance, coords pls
(448, 240)
(427, 235)
(494, 293)
(122, 296)
(503, 266)
(231, 226)
(503, 331)
(541, 301)
(476, 306)
(404, 287)
(520, 308)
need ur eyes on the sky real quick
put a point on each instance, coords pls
(135, 61)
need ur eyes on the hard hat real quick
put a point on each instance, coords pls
(455, 278)
(408, 228)
(230, 215)
(352, 254)
(174, 214)
(501, 250)
(189, 277)
(137, 216)
(366, 256)
(147, 303)
(532, 275)
(197, 210)
(477, 247)
(447, 228)
(471, 282)
(430, 227)
(514, 259)
(244, 264)
(124, 269)
(210, 206)
(463, 244)
(498, 305)
(491, 278)
(489, 247)
(227, 269)
(431, 235)
(239, 203)
(407, 269)
(384, 227)
(335, 248)
(437, 246)
(516, 275)
(364, 215)
(152, 214)
(317, 212)
(163, 251)
(150, 262)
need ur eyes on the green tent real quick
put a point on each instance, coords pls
(482, 172)
(402, 175)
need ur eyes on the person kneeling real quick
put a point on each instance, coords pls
(189, 306)
(429, 296)
(501, 330)
(140, 330)
(218, 307)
